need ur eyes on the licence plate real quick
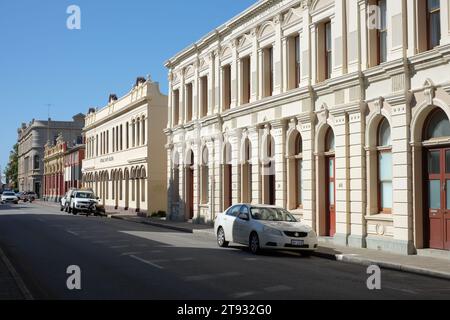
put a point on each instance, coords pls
(297, 243)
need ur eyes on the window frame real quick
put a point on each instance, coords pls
(381, 31)
(381, 150)
(429, 14)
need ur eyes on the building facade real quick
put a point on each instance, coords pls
(334, 109)
(32, 139)
(62, 167)
(54, 187)
(73, 162)
(125, 156)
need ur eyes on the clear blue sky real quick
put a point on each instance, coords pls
(42, 62)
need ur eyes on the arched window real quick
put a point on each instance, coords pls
(133, 133)
(143, 131)
(384, 148)
(205, 176)
(247, 173)
(227, 176)
(438, 125)
(127, 135)
(37, 163)
(330, 141)
(299, 170)
(138, 132)
(269, 172)
(143, 184)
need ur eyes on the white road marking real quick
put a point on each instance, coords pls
(251, 259)
(184, 259)
(243, 294)
(146, 262)
(204, 277)
(119, 247)
(130, 253)
(73, 233)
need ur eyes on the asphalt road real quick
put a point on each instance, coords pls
(125, 260)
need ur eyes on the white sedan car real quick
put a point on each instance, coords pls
(264, 227)
(9, 197)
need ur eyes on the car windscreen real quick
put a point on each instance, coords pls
(8, 194)
(271, 214)
(84, 195)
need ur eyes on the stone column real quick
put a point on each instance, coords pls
(358, 179)
(277, 57)
(253, 135)
(342, 184)
(307, 133)
(254, 95)
(402, 179)
(234, 75)
(211, 82)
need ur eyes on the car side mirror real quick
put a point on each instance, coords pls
(72, 197)
(244, 216)
(97, 198)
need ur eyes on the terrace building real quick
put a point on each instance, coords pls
(336, 110)
(125, 156)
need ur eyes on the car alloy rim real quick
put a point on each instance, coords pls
(254, 243)
(221, 237)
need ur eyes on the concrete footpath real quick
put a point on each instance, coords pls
(428, 266)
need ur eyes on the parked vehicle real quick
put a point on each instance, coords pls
(264, 227)
(28, 196)
(65, 201)
(84, 201)
(9, 197)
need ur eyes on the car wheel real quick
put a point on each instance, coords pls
(254, 243)
(74, 212)
(221, 238)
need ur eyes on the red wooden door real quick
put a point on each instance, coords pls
(331, 195)
(438, 209)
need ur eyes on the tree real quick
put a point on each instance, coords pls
(12, 169)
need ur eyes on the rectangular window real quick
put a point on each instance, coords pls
(297, 61)
(385, 181)
(382, 32)
(113, 139)
(189, 100)
(121, 137)
(226, 78)
(127, 132)
(176, 107)
(434, 23)
(328, 51)
(268, 72)
(204, 95)
(246, 78)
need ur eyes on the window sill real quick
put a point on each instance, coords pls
(380, 217)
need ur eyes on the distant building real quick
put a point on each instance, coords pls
(62, 167)
(125, 150)
(32, 139)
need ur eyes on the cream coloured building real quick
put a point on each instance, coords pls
(334, 109)
(125, 156)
